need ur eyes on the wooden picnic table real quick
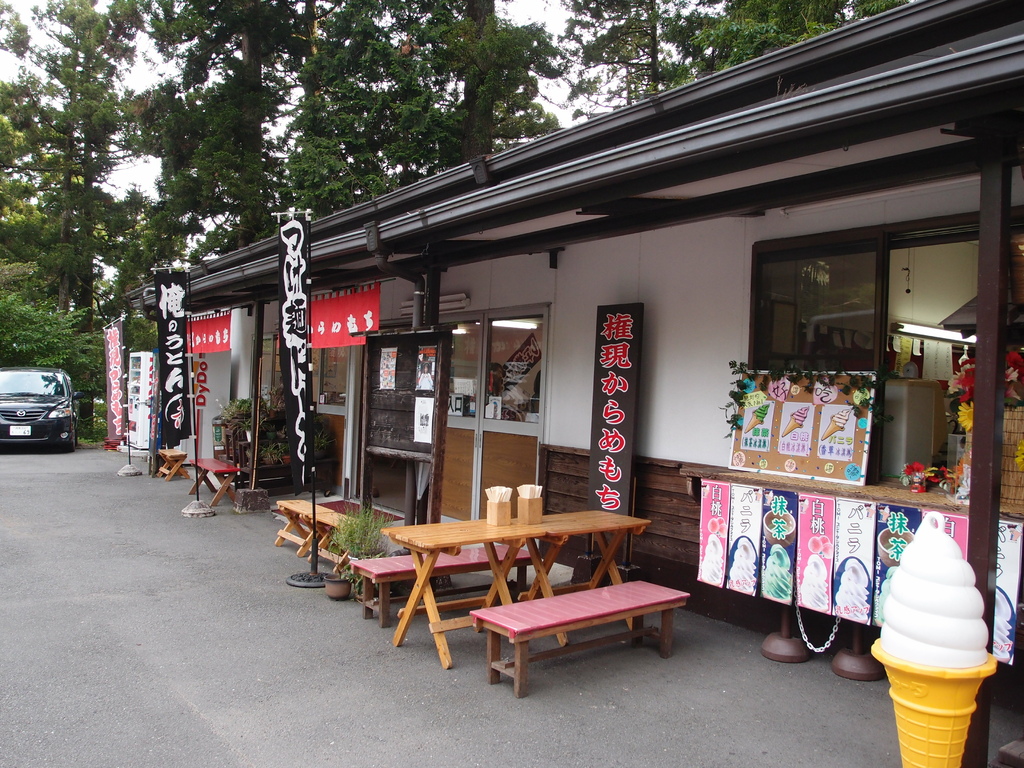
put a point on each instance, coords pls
(298, 514)
(427, 542)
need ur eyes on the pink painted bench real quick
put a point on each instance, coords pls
(381, 572)
(525, 621)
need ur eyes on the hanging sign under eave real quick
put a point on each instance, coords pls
(210, 333)
(336, 317)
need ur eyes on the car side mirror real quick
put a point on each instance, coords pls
(78, 396)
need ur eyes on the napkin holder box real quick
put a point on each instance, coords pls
(499, 513)
(529, 511)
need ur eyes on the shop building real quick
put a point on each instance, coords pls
(786, 212)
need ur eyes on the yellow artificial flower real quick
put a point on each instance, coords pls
(966, 416)
(1020, 456)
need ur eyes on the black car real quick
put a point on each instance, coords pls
(38, 407)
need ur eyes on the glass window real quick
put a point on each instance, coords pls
(816, 308)
(465, 370)
(333, 366)
(514, 369)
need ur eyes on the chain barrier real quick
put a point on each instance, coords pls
(803, 634)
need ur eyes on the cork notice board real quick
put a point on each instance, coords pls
(796, 427)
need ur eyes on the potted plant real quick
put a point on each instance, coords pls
(358, 534)
(272, 453)
(338, 586)
(322, 442)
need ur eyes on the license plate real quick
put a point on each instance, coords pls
(17, 431)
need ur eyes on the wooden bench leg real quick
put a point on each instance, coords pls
(384, 604)
(520, 675)
(665, 633)
(493, 655)
(368, 596)
(635, 624)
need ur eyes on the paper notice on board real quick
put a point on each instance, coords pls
(388, 364)
(938, 360)
(423, 425)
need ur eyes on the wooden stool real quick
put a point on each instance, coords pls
(222, 471)
(173, 461)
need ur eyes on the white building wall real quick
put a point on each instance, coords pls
(694, 281)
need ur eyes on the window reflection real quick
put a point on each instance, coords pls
(513, 370)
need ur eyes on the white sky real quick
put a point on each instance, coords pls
(547, 12)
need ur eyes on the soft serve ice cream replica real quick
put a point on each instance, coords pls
(933, 647)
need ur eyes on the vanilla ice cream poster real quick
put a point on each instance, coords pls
(778, 545)
(815, 545)
(895, 527)
(714, 532)
(744, 538)
(1008, 559)
(854, 579)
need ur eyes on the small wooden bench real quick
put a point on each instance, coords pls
(298, 528)
(522, 622)
(382, 572)
(222, 471)
(173, 460)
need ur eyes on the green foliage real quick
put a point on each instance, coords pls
(42, 335)
(359, 534)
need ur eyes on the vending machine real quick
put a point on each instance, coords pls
(140, 398)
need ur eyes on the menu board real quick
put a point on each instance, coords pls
(818, 429)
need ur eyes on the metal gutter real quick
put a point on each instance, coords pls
(931, 93)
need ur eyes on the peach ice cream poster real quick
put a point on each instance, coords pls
(744, 538)
(854, 559)
(1008, 566)
(778, 545)
(714, 532)
(816, 528)
(797, 422)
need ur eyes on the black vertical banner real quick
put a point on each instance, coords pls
(171, 319)
(293, 295)
(613, 423)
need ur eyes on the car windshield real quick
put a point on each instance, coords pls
(32, 383)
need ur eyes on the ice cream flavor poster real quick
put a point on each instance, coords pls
(778, 544)
(854, 557)
(797, 423)
(757, 427)
(714, 532)
(955, 527)
(1008, 567)
(816, 529)
(894, 530)
(744, 538)
(797, 428)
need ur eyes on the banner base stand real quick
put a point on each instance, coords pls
(129, 470)
(198, 509)
(306, 579)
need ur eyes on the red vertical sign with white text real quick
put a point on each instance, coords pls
(613, 423)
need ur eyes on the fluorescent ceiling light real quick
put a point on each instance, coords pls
(523, 324)
(928, 332)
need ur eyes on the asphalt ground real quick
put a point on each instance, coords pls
(133, 636)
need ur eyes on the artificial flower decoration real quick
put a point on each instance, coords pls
(965, 415)
(963, 382)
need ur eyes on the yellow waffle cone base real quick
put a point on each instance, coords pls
(933, 708)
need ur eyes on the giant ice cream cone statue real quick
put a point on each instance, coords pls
(933, 648)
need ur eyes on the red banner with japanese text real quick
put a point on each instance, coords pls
(613, 424)
(210, 333)
(337, 316)
(113, 344)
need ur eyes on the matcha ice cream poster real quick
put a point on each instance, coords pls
(714, 532)
(778, 544)
(853, 585)
(894, 530)
(816, 426)
(816, 530)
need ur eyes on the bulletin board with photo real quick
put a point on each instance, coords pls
(816, 428)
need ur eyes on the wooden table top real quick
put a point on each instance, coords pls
(305, 509)
(463, 533)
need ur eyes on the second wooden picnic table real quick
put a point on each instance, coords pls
(428, 542)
